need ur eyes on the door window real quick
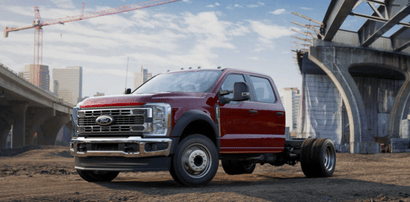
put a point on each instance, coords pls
(229, 81)
(263, 90)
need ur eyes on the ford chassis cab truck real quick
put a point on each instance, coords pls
(186, 122)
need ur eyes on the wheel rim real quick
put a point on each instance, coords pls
(329, 158)
(196, 160)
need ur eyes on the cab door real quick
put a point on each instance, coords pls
(235, 120)
(268, 118)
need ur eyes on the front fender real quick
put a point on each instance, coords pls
(191, 116)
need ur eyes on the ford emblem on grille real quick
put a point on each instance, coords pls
(104, 120)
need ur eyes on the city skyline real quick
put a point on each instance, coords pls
(70, 81)
(248, 35)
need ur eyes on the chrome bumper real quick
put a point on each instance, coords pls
(74, 143)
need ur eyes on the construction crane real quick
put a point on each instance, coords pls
(38, 25)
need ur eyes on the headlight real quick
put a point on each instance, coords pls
(74, 116)
(161, 119)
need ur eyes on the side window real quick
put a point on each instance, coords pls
(263, 90)
(229, 81)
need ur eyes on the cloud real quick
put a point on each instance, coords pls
(278, 11)
(213, 5)
(306, 8)
(66, 4)
(238, 6)
(256, 5)
(253, 58)
(267, 33)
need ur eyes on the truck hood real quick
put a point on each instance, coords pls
(135, 99)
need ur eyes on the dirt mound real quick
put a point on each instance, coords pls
(17, 151)
(47, 173)
(65, 154)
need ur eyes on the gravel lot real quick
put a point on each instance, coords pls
(47, 174)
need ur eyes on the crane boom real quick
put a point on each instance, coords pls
(85, 16)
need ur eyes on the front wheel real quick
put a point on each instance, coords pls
(195, 161)
(97, 176)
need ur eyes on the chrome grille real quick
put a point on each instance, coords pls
(118, 120)
(112, 112)
(125, 120)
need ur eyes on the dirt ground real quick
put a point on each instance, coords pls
(48, 174)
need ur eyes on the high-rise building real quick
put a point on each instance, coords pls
(290, 99)
(141, 77)
(70, 83)
(38, 76)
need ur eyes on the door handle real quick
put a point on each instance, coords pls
(280, 113)
(253, 111)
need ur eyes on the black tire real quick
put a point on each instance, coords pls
(306, 157)
(195, 161)
(97, 176)
(235, 167)
(324, 157)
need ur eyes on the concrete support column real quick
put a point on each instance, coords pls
(34, 118)
(326, 59)
(49, 129)
(400, 108)
(19, 123)
(6, 120)
(4, 131)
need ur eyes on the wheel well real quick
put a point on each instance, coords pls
(199, 127)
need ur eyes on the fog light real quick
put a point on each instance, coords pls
(156, 146)
(82, 148)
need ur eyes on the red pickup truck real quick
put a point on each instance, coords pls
(185, 122)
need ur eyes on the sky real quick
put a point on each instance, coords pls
(250, 35)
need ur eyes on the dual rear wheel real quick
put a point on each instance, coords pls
(318, 157)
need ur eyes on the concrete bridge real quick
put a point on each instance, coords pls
(29, 109)
(370, 72)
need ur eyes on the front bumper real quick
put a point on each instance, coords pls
(131, 147)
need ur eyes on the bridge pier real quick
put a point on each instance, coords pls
(4, 131)
(48, 131)
(19, 123)
(5, 125)
(34, 118)
(345, 66)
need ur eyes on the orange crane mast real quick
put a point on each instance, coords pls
(38, 27)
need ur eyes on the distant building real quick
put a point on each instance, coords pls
(70, 83)
(99, 94)
(141, 77)
(55, 87)
(38, 76)
(290, 98)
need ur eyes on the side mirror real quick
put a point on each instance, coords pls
(241, 91)
(128, 91)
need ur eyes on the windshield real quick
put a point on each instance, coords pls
(193, 81)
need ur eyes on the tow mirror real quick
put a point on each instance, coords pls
(128, 91)
(241, 91)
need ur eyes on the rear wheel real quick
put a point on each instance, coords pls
(324, 157)
(306, 157)
(235, 167)
(195, 161)
(97, 176)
